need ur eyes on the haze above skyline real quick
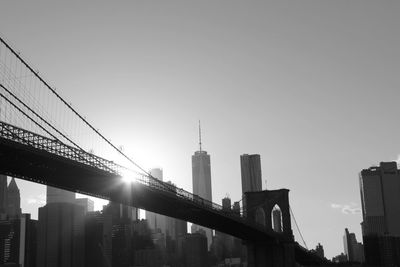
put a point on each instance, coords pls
(312, 87)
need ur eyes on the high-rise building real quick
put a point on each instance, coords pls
(319, 251)
(98, 239)
(56, 195)
(223, 244)
(3, 196)
(9, 241)
(380, 196)
(195, 250)
(156, 221)
(201, 174)
(226, 203)
(86, 203)
(201, 179)
(157, 173)
(123, 219)
(18, 241)
(174, 227)
(149, 257)
(120, 212)
(13, 200)
(353, 250)
(61, 239)
(250, 166)
(28, 241)
(236, 208)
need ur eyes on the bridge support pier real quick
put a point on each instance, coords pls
(279, 251)
(270, 255)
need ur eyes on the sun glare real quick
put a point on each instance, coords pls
(129, 176)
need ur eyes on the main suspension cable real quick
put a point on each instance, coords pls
(73, 110)
(297, 226)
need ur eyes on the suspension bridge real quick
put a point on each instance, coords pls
(44, 139)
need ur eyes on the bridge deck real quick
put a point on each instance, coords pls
(35, 158)
(39, 159)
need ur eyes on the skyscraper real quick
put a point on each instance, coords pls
(86, 203)
(13, 200)
(354, 250)
(319, 251)
(236, 208)
(98, 239)
(380, 197)
(56, 195)
(201, 179)
(61, 239)
(3, 196)
(61, 229)
(195, 250)
(201, 175)
(174, 227)
(120, 212)
(223, 244)
(156, 221)
(250, 166)
(226, 203)
(18, 241)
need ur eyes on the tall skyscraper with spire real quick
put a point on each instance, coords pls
(201, 179)
(201, 172)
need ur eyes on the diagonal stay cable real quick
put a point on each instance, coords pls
(297, 226)
(48, 132)
(76, 112)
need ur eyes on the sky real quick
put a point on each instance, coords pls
(311, 86)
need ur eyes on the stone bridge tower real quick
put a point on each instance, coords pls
(259, 209)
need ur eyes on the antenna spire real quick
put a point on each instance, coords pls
(200, 135)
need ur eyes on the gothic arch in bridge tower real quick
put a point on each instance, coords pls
(260, 216)
(276, 219)
(267, 200)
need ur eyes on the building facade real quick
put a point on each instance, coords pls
(86, 203)
(380, 197)
(18, 243)
(3, 196)
(156, 221)
(354, 250)
(98, 239)
(56, 195)
(250, 168)
(201, 181)
(13, 200)
(61, 235)
(195, 250)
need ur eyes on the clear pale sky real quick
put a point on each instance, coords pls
(311, 86)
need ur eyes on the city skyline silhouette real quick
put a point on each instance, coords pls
(310, 87)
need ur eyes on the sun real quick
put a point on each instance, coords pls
(129, 176)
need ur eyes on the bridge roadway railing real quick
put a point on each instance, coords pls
(54, 146)
(201, 202)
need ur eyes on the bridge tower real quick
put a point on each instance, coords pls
(260, 206)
